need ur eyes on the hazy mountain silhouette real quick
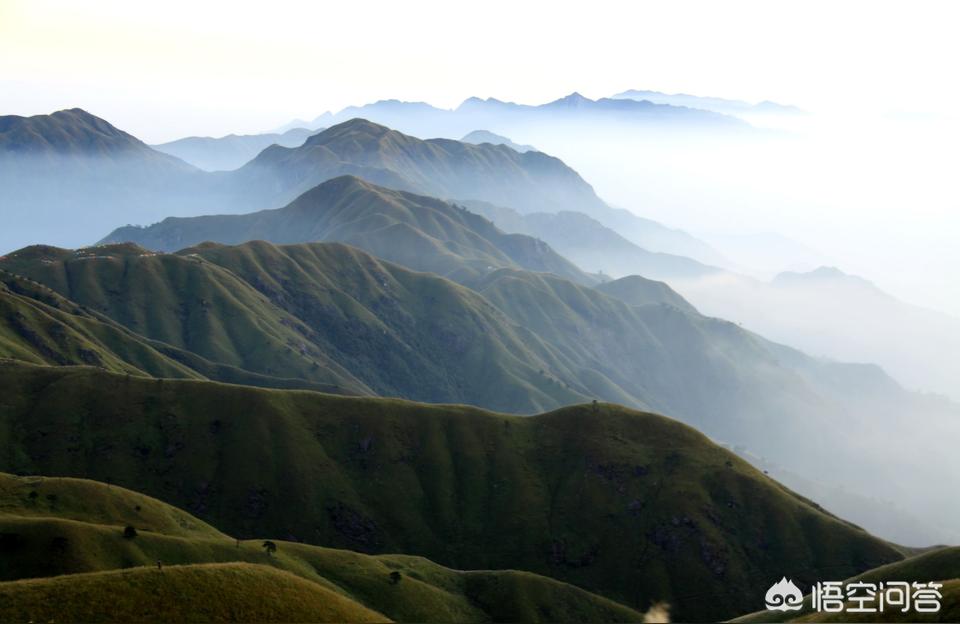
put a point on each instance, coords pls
(231, 151)
(483, 136)
(67, 176)
(718, 105)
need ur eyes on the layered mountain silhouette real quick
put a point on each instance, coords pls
(632, 506)
(66, 176)
(419, 232)
(829, 312)
(231, 151)
(715, 104)
(598, 248)
(423, 120)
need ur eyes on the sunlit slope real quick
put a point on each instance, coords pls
(634, 506)
(58, 526)
(320, 312)
(235, 592)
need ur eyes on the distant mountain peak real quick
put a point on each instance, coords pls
(574, 99)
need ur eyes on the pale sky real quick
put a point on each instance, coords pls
(164, 70)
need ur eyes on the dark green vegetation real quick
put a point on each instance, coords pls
(633, 506)
(177, 568)
(936, 564)
(421, 233)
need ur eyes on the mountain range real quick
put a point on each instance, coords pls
(715, 104)
(482, 136)
(231, 151)
(571, 111)
(633, 506)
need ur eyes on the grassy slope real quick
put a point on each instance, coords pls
(634, 506)
(322, 312)
(939, 564)
(78, 532)
(422, 233)
(195, 593)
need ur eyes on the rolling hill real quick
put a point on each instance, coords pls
(421, 233)
(64, 541)
(633, 506)
(231, 151)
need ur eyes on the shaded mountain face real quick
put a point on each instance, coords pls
(82, 520)
(231, 151)
(419, 232)
(66, 177)
(633, 506)
(483, 136)
(437, 167)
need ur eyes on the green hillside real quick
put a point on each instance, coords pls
(633, 506)
(421, 233)
(193, 593)
(177, 316)
(322, 313)
(73, 530)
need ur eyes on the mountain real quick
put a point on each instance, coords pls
(420, 232)
(438, 167)
(717, 105)
(231, 151)
(633, 506)
(42, 327)
(64, 177)
(564, 114)
(829, 312)
(317, 313)
(592, 245)
(636, 290)
(482, 136)
(64, 544)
